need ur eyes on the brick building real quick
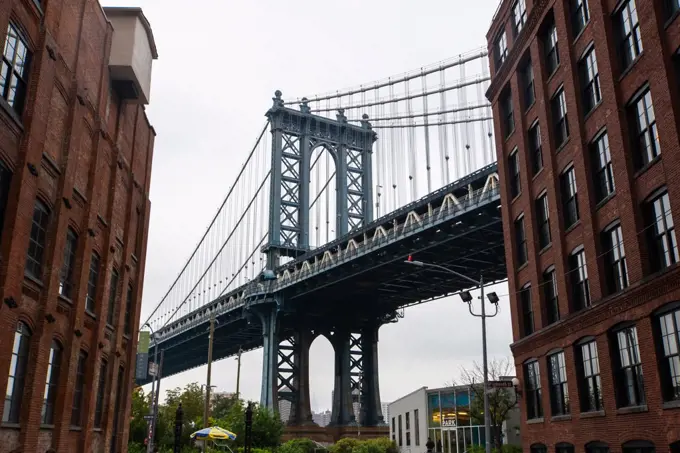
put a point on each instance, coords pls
(586, 100)
(75, 164)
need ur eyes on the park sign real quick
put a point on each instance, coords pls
(142, 361)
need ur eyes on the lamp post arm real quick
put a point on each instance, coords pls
(450, 271)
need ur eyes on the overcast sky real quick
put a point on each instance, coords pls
(220, 62)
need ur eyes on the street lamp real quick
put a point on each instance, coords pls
(153, 410)
(467, 298)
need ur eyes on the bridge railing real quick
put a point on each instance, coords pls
(359, 245)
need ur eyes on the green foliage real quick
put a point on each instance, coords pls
(298, 446)
(380, 445)
(344, 446)
(504, 449)
(226, 412)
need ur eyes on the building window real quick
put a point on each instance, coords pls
(394, 425)
(597, 447)
(543, 221)
(559, 393)
(77, 407)
(507, 113)
(532, 377)
(552, 307)
(662, 243)
(67, 266)
(416, 426)
(672, 7)
(501, 49)
(558, 106)
(590, 81)
(616, 269)
(51, 383)
(579, 16)
(535, 148)
(128, 311)
(580, 288)
(527, 310)
(643, 119)
(563, 447)
(602, 165)
(521, 241)
(569, 197)
(638, 446)
(401, 443)
(552, 53)
(17, 373)
(630, 40)
(590, 386)
(92, 280)
(408, 421)
(670, 363)
(519, 16)
(37, 240)
(527, 75)
(113, 292)
(513, 166)
(101, 394)
(628, 369)
(5, 180)
(408, 438)
(120, 388)
(538, 448)
(16, 60)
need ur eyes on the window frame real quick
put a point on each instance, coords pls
(532, 389)
(668, 357)
(519, 17)
(521, 248)
(559, 116)
(17, 373)
(628, 40)
(79, 390)
(515, 174)
(569, 196)
(557, 379)
(507, 112)
(616, 267)
(639, 106)
(92, 283)
(37, 240)
(536, 147)
(51, 383)
(99, 411)
(114, 281)
(624, 380)
(18, 103)
(500, 45)
(552, 305)
(528, 84)
(589, 375)
(551, 47)
(580, 16)
(603, 175)
(543, 220)
(589, 75)
(580, 289)
(662, 245)
(128, 310)
(68, 264)
(527, 310)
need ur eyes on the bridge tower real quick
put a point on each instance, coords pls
(296, 134)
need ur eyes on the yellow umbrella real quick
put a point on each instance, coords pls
(213, 433)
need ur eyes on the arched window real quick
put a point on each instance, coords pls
(51, 382)
(113, 294)
(37, 240)
(92, 280)
(68, 264)
(675, 447)
(532, 389)
(77, 407)
(638, 446)
(538, 448)
(597, 447)
(17, 373)
(564, 447)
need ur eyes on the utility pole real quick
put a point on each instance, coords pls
(154, 390)
(238, 373)
(206, 409)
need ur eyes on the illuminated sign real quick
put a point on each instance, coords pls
(449, 422)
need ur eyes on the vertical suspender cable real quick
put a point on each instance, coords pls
(423, 78)
(411, 145)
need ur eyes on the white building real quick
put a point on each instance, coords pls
(442, 415)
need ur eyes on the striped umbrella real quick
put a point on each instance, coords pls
(213, 433)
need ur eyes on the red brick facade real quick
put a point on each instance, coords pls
(86, 155)
(650, 292)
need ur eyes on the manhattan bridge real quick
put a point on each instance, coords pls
(337, 191)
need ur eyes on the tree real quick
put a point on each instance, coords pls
(501, 401)
(221, 404)
(140, 407)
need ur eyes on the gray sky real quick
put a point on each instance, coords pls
(219, 65)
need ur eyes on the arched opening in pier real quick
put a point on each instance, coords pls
(321, 379)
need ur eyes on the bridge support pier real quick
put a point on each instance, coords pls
(268, 393)
(293, 376)
(342, 412)
(371, 408)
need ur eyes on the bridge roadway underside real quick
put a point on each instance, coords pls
(374, 284)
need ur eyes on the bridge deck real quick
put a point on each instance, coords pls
(368, 278)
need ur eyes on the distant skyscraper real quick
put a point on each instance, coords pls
(385, 411)
(284, 410)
